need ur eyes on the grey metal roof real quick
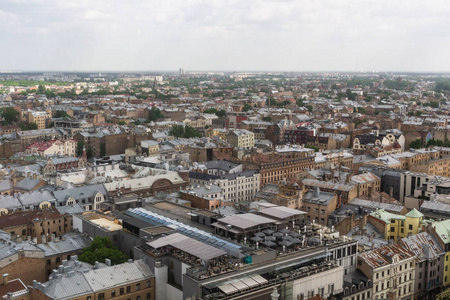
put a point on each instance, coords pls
(10, 202)
(27, 184)
(281, 212)
(72, 242)
(35, 198)
(245, 221)
(189, 245)
(105, 278)
(78, 283)
(82, 192)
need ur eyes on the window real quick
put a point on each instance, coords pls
(113, 293)
(101, 296)
(149, 296)
(392, 229)
(138, 287)
(331, 288)
(58, 259)
(138, 297)
(128, 289)
(122, 291)
(410, 227)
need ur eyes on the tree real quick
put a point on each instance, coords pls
(27, 126)
(411, 113)
(154, 114)
(417, 144)
(102, 150)
(122, 122)
(89, 152)
(61, 114)
(100, 249)
(316, 149)
(186, 131)
(10, 115)
(361, 110)
(267, 119)
(445, 295)
(80, 146)
(41, 89)
(309, 107)
(247, 107)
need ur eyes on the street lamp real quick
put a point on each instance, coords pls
(275, 295)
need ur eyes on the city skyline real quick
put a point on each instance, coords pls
(298, 36)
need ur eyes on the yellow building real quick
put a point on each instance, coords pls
(397, 226)
(220, 132)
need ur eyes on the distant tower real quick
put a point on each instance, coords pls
(182, 72)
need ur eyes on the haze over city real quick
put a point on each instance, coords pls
(225, 35)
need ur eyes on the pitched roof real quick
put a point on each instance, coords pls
(414, 213)
(26, 217)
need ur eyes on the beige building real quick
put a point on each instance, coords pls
(241, 138)
(392, 271)
(38, 117)
(54, 147)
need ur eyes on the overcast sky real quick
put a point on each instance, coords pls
(304, 35)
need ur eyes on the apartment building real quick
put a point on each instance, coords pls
(391, 269)
(38, 117)
(241, 138)
(430, 264)
(130, 280)
(396, 226)
(53, 147)
(236, 187)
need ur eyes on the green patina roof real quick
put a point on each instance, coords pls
(414, 213)
(443, 230)
(386, 216)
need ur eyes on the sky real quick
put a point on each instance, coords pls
(229, 35)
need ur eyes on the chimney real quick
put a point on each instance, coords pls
(108, 262)
(5, 279)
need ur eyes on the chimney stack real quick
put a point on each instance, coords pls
(5, 279)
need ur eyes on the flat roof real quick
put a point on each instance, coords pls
(245, 221)
(281, 212)
(188, 245)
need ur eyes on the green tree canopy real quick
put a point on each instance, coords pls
(61, 114)
(80, 146)
(154, 114)
(100, 249)
(267, 119)
(219, 113)
(417, 144)
(9, 114)
(41, 89)
(247, 107)
(180, 131)
(27, 126)
(445, 295)
(89, 152)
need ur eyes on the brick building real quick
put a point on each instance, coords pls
(39, 224)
